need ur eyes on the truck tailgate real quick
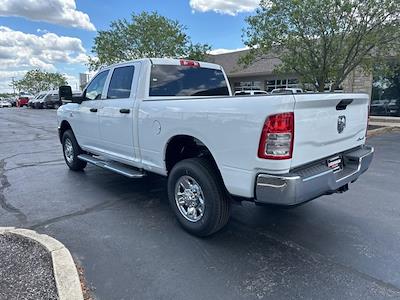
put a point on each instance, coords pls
(327, 124)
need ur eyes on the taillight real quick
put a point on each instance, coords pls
(277, 136)
(189, 63)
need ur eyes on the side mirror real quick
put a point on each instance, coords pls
(65, 93)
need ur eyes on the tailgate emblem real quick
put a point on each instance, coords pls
(341, 124)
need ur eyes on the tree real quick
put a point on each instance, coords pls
(324, 40)
(146, 35)
(6, 95)
(37, 80)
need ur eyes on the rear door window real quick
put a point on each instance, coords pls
(121, 83)
(173, 80)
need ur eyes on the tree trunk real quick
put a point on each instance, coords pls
(321, 85)
(334, 86)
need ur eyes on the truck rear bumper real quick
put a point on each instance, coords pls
(314, 180)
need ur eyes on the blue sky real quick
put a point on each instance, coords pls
(68, 27)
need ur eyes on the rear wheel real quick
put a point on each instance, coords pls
(197, 196)
(71, 150)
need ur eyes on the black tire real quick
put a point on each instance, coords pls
(216, 200)
(73, 162)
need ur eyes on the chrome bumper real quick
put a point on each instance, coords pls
(307, 183)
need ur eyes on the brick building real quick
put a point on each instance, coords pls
(260, 75)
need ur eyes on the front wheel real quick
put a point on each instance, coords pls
(71, 150)
(197, 196)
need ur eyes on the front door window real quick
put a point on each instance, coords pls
(95, 88)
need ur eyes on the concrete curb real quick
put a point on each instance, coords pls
(64, 270)
(381, 130)
(385, 124)
(382, 119)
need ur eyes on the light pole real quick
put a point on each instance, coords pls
(13, 85)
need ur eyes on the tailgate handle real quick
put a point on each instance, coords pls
(343, 104)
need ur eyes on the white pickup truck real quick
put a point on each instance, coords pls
(177, 118)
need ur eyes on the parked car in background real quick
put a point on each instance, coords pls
(5, 103)
(13, 101)
(394, 108)
(31, 102)
(378, 108)
(51, 100)
(23, 99)
(287, 91)
(48, 99)
(388, 108)
(250, 93)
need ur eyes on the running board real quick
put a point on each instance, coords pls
(112, 166)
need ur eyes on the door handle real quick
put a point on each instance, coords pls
(124, 110)
(93, 110)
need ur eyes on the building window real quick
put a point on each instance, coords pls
(385, 100)
(281, 84)
(248, 85)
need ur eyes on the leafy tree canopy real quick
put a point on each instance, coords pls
(37, 80)
(6, 95)
(145, 35)
(324, 40)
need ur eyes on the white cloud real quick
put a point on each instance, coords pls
(228, 7)
(10, 74)
(20, 52)
(62, 12)
(6, 78)
(223, 50)
(19, 49)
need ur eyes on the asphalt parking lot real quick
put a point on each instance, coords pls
(344, 246)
